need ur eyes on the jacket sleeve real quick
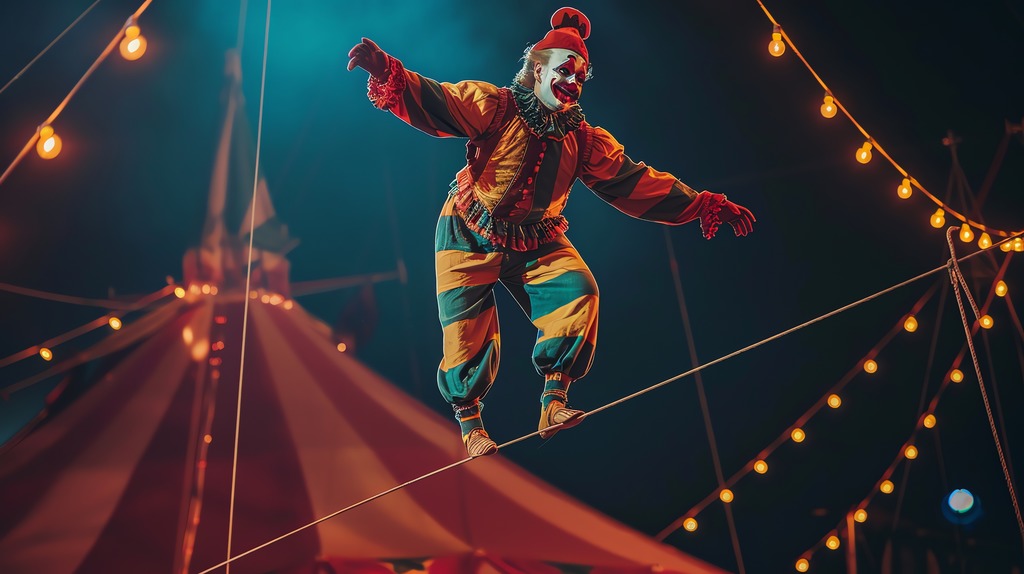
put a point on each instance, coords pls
(440, 109)
(635, 188)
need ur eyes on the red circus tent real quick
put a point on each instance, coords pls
(126, 480)
(136, 474)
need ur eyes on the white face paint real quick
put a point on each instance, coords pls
(559, 83)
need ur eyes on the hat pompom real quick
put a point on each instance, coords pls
(569, 17)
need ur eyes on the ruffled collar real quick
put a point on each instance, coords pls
(542, 121)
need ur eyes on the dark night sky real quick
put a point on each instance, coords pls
(687, 87)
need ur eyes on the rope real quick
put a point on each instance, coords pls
(594, 411)
(248, 282)
(47, 48)
(957, 278)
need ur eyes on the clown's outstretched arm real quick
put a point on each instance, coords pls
(441, 109)
(646, 193)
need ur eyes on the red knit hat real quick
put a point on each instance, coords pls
(569, 27)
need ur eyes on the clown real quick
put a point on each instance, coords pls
(502, 220)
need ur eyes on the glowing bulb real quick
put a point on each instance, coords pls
(905, 190)
(802, 565)
(46, 354)
(985, 241)
(886, 487)
(1006, 246)
(829, 108)
(870, 366)
(861, 515)
(1001, 288)
(776, 47)
(938, 218)
(760, 467)
(690, 524)
(726, 495)
(910, 324)
(956, 375)
(864, 152)
(179, 292)
(986, 321)
(342, 347)
(132, 47)
(49, 144)
(929, 421)
(966, 235)
(114, 323)
(832, 542)
(910, 452)
(1018, 243)
(798, 435)
(834, 401)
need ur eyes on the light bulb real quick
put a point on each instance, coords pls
(179, 292)
(760, 467)
(690, 524)
(1018, 244)
(133, 45)
(726, 495)
(776, 47)
(985, 241)
(864, 152)
(802, 565)
(49, 144)
(966, 234)
(886, 487)
(956, 375)
(938, 218)
(1001, 288)
(798, 435)
(114, 323)
(986, 321)
(910, 452)
(1006, 246)
(46, 354)
(929, 421)
(861, 515)
(905, 190)
(834, 401)
(832, 542)
(910, 324)
(829, 108)
(870, 366)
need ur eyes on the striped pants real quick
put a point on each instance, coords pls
(552, 284)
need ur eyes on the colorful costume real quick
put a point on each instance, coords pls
(503, 218)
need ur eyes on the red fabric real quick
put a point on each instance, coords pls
(565, 38)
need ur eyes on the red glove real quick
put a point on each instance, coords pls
(720, 210)
(369, 57)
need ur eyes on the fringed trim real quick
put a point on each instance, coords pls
(384, 95)
(501, 233)
(542, 121)
(709, 215)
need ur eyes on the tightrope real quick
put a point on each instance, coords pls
(939, 269)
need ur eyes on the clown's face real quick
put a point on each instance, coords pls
(559, 83)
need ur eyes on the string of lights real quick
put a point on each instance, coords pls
(832, 398)
(46, 141)
(831, 105)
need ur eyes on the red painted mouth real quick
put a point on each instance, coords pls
(566, 93)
